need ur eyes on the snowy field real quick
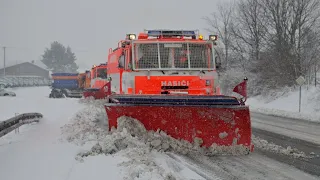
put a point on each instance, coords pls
(39, 151)
(71, 142)
(287, 105)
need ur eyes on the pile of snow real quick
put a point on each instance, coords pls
(132, 134)
(286, 104)
(91, 101)
(86, 126)
(289, 151)
(131, 140)
(142, 161)
(89, 124)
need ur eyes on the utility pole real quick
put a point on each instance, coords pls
(4, 61)
(315, 76)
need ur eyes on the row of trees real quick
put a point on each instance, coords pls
(271, 41)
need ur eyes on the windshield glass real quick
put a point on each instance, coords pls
(173, 55)
(102, 73)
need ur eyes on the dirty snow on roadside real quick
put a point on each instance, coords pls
(144, 149)
(269, 146)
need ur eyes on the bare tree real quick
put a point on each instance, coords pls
(277, 40)
(249, 29)
(220, 22)
(290, 22)
(310, 48)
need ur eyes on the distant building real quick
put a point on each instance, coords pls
(25, 69)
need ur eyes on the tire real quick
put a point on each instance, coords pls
(6, 94)
(65, 93)
(54, 94)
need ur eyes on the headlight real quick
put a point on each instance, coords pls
(131, 36)
(213, 37)
(207, 82)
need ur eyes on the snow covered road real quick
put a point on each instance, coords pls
(299, 129)
(290, 134)
(254, 166)
(39, 151)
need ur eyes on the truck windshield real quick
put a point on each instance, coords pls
(102, 73)
(196, 55)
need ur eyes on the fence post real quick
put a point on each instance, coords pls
(16, 131)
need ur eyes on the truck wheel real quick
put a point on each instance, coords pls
(64, 94)
(55, 94)
(6, 94)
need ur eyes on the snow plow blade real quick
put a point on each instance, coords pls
(219, 120)
(98, 93)
(93, 92)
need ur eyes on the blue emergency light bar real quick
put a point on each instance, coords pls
(170, 33)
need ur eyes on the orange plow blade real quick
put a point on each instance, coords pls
(219, 120)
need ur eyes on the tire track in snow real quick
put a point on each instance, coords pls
(253, 166)
(300, 134)
(285, 141)
(204, 171)
(299, 129)
(311, 166)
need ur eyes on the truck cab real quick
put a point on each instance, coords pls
(99, 76)
(164, 61)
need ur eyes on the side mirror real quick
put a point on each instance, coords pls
(119, 65)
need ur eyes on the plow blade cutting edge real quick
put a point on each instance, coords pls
(219, 120)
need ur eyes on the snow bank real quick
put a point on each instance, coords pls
(286, 104)
(91, 101)
(289, 151)
(131, 140)
(89, 124)
(132, 134)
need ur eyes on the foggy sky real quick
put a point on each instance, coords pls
(90, 28)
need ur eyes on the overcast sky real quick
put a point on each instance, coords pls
(89, 27)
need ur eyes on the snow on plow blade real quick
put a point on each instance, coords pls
(219, 120)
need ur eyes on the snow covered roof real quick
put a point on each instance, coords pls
(40, 64)
(36, 63)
